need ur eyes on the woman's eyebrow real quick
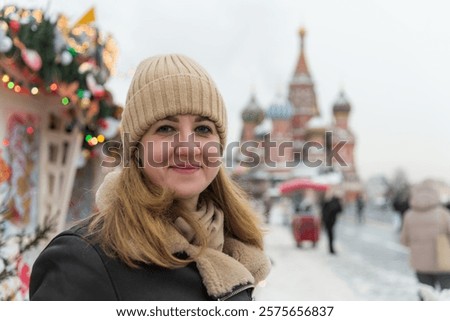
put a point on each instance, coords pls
(201, 118)
(171, 118)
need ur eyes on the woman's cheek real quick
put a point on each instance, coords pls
(211, 152)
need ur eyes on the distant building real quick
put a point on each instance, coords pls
(289, 139)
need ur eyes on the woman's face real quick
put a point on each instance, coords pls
(182, 153)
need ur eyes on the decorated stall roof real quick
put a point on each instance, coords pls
(298, 184)
(44, 55)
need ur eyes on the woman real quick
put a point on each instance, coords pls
(423, 222)
(171, 225)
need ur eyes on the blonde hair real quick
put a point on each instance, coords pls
(135, 226)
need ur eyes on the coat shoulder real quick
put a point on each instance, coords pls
(70, 268)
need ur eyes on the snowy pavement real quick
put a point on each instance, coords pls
(300, 274)
(370, 264)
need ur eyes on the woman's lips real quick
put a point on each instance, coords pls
(185, 169)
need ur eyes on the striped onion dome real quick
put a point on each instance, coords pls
(341, 105)
(253, 113)
(280, 109)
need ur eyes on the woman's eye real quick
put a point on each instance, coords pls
(165, 129)
(203, 130)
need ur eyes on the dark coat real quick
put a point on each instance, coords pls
(401, 205)
(330, 210)
(72, 267)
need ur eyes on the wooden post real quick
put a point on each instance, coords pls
(60, 152)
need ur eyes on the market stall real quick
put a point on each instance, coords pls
(54, 109)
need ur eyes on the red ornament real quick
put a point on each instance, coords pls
(99, 94)
(102, 123)
(14, 25)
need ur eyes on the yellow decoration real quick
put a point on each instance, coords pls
(88, 18)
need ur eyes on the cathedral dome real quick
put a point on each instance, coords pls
(253, 113)
(280, 109)
(341, 105)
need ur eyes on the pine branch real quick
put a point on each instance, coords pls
(41, 233)
(6, 273)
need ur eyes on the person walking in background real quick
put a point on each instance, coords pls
(400, 204)
(422, 224)
(331, 207)
(171, 225)
(447, 205)
(360, 208)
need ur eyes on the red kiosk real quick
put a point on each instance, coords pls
(306, 220)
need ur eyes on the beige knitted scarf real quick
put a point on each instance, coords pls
(211, 220)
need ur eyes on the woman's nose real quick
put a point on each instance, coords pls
(185, 144)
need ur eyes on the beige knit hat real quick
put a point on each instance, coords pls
(170, 85)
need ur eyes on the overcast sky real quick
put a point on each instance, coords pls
(391, 57)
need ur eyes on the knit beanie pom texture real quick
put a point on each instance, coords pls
(171, 85)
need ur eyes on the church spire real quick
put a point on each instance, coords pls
(302, 67)
(302, 95)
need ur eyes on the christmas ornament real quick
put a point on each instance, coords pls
(109, 127)
(32, 59)
(5, 41)
(5, 44)
(66, 58)
(102, 76)
(14, 22)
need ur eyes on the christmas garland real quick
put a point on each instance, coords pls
(44, 56)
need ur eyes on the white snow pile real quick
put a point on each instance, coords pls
(428, 293)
